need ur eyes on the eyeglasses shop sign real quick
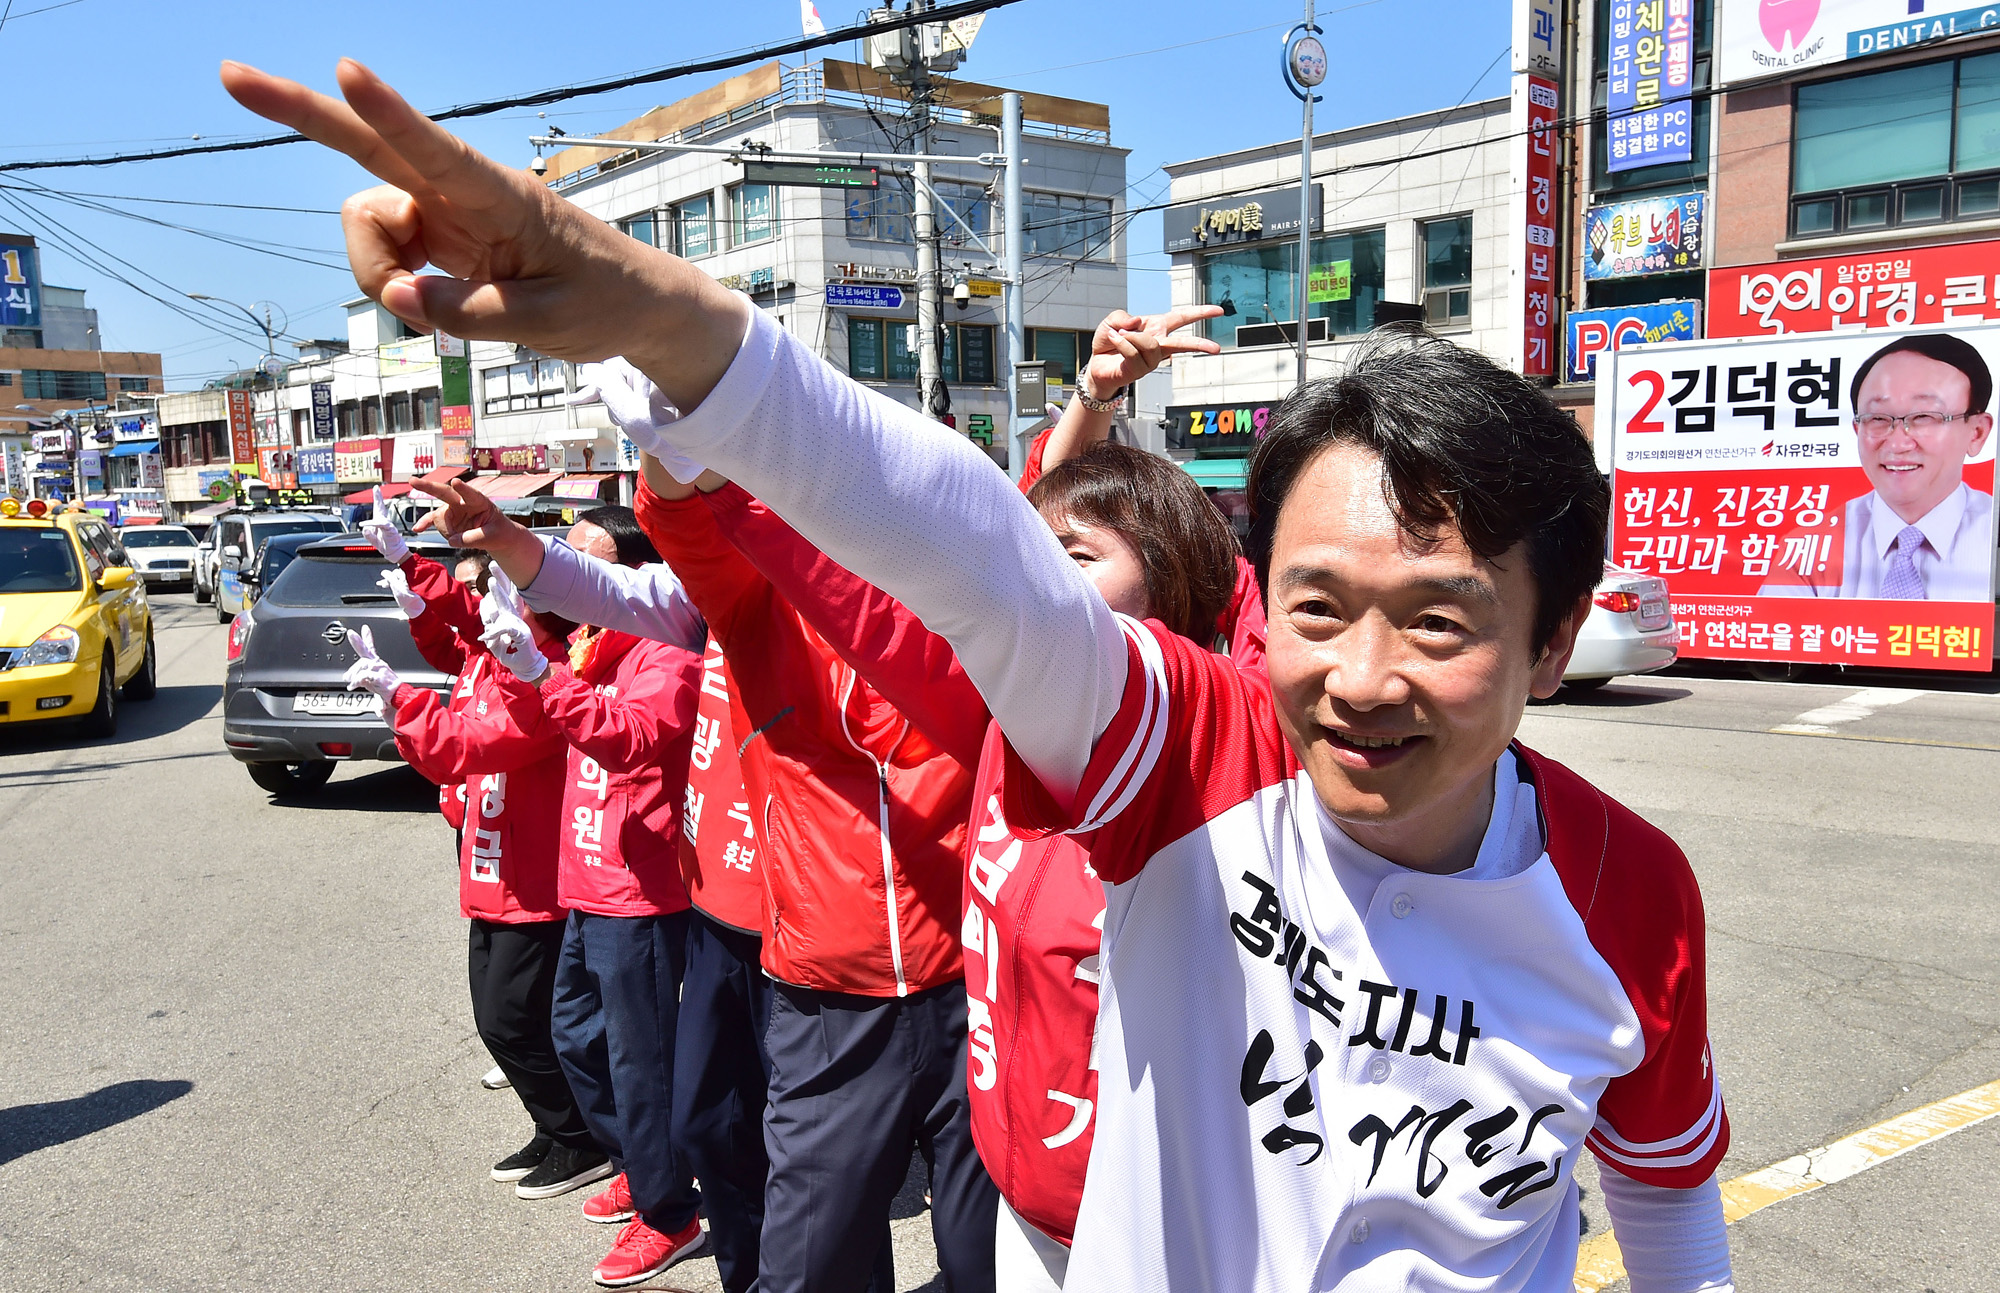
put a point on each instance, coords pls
(1238, 218)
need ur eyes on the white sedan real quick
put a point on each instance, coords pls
(1630, 630)
(162, 554)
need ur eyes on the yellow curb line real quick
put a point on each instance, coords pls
(1599, 1264)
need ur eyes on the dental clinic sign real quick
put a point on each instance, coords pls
(1760, 38)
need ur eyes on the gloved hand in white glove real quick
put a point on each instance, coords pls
(371, 673)
(381, 531)
(507, 635)
(640, 410)
(398, 585)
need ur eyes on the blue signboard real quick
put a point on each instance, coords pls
(1662, 235)
(316, 466)
(20, 285)
(1649, 75)
(1593, 332)
(866, 298)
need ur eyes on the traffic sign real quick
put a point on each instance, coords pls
(810, 175)
(864, 297)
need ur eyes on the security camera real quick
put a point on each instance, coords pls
(961, 294)
(540, 165)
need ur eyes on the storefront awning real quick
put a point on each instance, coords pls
(140, 518)
(443, 475)
(516, 486)
(395, 490)
(1217, 473)
(133, 448)
(210, 512)
(581, 484)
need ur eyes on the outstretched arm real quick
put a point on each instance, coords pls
(1124, 348)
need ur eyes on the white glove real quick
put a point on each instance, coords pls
(507, 634)
(398, 585)
(381, 531)
(371, 673)
(639, 408)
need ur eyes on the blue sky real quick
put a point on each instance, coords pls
(85, 77)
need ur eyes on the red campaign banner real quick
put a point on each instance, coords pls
(1882, 634)
(1538, 350)
(1911, 287)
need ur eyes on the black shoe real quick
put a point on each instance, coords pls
(523, 1160)
(563, 1170)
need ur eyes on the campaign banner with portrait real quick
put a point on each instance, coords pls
(1818, 498)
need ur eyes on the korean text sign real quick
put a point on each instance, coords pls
(1538, 312)
(1901, 289)
(1592, 332)
(1661, 235)
(1649, 74)
(1761, 38)
(20, 285)
(1785, 529)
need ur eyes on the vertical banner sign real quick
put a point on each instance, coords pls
(322, 393)
(454, 385)
(20, 285)
(13, 470)
(1909, 287)
(1819, 498)
(1535, 38)
(1539, 254)
(1649, 75)
(241, 445)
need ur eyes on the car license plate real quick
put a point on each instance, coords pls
(338, 704)
(1652, 611)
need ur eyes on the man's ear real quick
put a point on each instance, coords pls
(1554, 660)
(1982, 427)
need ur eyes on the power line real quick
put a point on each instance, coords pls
(941, 14)
(183, 202)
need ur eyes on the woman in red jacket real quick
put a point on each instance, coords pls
(626, 707)
(513, 777)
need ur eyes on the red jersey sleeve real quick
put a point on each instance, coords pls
(1192, 739)
(633, 728)
(720, 581)
(446, 745)
(455, 606)
(1664, 1122)
(912, 667)
(1031, 469)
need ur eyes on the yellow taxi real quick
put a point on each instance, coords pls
(76, 633)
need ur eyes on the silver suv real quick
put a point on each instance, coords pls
(286, 710)
(239, 534)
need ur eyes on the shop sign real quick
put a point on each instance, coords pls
(1331, 282)
(1959, 283)
(90, 463)
(1538, 99)
(456, 419)
(1649, 76)
(854, 272)
(357, 462)
(457, 451)
(139, 428)
(152, 471)
(416, 454)
(53, 443)
(1738, 476)
(1535, 38)
(513, 459)
(13, 470)
(242, 445)
(20, 284)
(395, 358)
(1239, 218)
(216, 485)
(1208, 430)
(1761, 38)
(1592, 332)
(1663, 235)
(757, 280)
(316, 465)
(322, 399)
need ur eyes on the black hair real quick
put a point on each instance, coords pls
(1464, 443)
(622, 524)
(482, 560)
(1941, 346)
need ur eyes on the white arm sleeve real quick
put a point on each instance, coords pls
(645, 601)
(1673, 1240)
(913, 508)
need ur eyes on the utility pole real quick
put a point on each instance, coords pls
(1013, 228)
(1305, 68)
(930, 368)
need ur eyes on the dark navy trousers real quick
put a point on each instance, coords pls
(856, 1083)
(615, 1014)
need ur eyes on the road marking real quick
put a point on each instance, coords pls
(1862, 704)
(1599, 1264)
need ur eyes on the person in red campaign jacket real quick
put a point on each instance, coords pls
(1034, 909)
(626, 706)
(507, 873)
(443, 649)
(862, 818)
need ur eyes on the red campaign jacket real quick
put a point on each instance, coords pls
(861, 815)
(1033, 911)
(450, 621)
(718, 844)
(513, 776)
(628, 717)
(1243, 624)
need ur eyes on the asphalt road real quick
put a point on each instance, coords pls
(235, 1050)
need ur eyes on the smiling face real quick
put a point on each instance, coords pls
(1109, 561)
(1400, 670)
(1914, 473)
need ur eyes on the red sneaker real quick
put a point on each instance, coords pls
(642, 1252)
(612, 1206)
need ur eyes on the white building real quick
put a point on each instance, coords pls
(1412, 213)
(838, 266)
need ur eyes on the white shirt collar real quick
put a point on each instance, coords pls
(1939, 525)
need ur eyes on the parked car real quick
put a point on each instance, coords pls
(162, 554)
(76, 631)
(1630, 630)
(273, 555)
(238, 535)
(286, 712)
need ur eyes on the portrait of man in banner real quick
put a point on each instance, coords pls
(1921, 410)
